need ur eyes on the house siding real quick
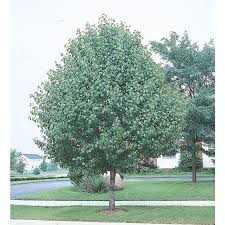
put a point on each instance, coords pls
(173, 162)
(168, 162)
(31, 163)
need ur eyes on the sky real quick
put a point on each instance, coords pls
(41, 28)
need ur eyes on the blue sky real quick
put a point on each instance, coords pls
(40, 28)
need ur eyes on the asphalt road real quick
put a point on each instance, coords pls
(30, 188)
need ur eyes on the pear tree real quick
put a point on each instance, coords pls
(105, 101)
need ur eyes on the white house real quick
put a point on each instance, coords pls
(169, 162)
(208, 161)
(32, 161)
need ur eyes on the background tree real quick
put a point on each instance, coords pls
(20, 166)
(185, 161)
(193, 69)
(44, 165)
(14, 155)
(36, 171)
(53, 166)
(13, 159)
(107, 100)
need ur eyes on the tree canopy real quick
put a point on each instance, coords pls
(201, 116)
(106, 99)
(185, 62)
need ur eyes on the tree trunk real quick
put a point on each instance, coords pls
(193, 165)
(112, 190)
(135, 167)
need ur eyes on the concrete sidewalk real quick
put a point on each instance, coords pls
(118, 203)
(44, 222)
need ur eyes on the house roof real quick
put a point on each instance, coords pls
(33, 156)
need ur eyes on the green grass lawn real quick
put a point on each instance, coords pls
(167, 175)
(170, 173)
(141, 214)
(202, 190)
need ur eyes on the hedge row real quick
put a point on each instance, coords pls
(35, 178)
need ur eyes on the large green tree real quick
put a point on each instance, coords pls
(192, 67)
(105, 101)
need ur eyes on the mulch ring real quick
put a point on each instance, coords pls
(109, 212)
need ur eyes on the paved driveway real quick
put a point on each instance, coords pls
(30, 188)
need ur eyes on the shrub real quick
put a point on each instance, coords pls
(143, 170)
(127, 168)
(36, 171)
(75, 175)
(43, 166)
(92, 183)
(53, 166)
(185, 163)
(34, 178)
(138, 166)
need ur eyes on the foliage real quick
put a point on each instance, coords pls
(53, 166)
(193, 69)
(44, 165)
(129, 164)
(75, 175)
(201, 116)
(14, 155)
(36, 171)
(105, 100)
(34, 178)
(211, 152)
(94, 183)
(146, 169)
(185, 62)
(134, 165)
(13, 159)
(20, 166)
(185, 162)
(201, 121)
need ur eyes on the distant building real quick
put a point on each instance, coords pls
(170, 162)
(32, 161)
